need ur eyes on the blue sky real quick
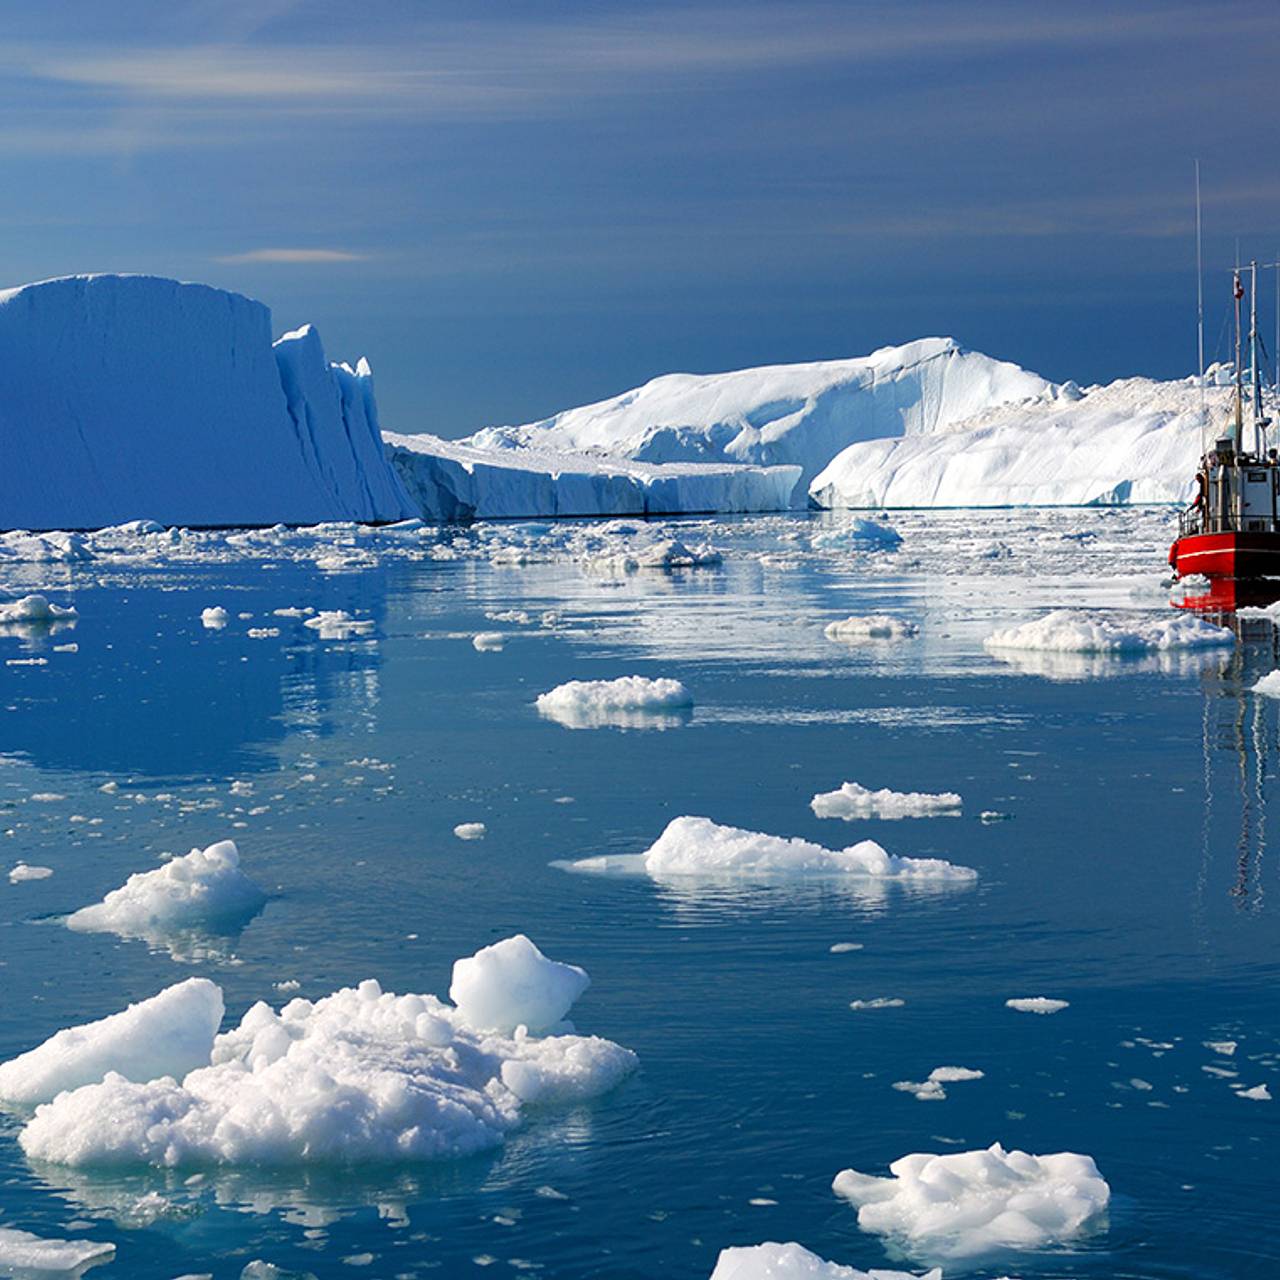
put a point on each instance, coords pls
(517, 207)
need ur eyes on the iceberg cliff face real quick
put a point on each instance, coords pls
(798, 414)
(1133, 441)
(128, 396)
(455, 480)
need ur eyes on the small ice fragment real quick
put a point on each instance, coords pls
(262, 633)
(30, 1256)
(512, 984)
(993, 815)
(22, 871)
(627, 702)
(851, 801)
(337, 624)
(878, 1002)
(1036, 1004)
(1223, 1047)
(488, 641)
(875, 626)
(470, 830)
(840, 948)
(1259, 1093)
(215, 617)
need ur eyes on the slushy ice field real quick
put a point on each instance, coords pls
(1116, 810)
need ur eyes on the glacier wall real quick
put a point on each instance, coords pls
(134, 396)
(452, 480)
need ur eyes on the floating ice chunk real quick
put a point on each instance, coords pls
(1269, 685)
(878, 1002)
(974, 1202)
(1074, 631)
(627, 702)
(852, 801)
(858, 534)
(361, 1076)
(21, 872)
(698, 846)
(215, 617)
(931, 1090)
(293, 611)
(34, 611)
(262, 633)
(873, 626)
(337, 624)
(1224, 1048)
(840, 948)
(1259, 1093)
(512, 984)
(793, 1262)
(489, 641)
(260, 1270)
(28, 1257)
(169, 1034)
(470, 830)
(204, 889)
(1037, 1004)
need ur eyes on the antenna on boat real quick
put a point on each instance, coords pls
(1200, 312)
(1237, 292)
(1255, 372)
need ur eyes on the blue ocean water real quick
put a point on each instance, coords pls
(1129, 873)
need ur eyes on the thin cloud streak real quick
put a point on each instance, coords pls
(293, 256)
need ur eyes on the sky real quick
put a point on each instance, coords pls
(512, 208)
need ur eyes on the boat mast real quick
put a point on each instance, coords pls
(1255, 370)
(1200, 312)
(1237, 293)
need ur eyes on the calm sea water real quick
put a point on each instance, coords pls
(1132, 876)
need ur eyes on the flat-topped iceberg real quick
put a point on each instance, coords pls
(852, 800)
(794, 1262)
(360, 1076)
(1075, 631)
(169, 1034)
(975, 1202)
(634, 702)
(124, 396)
(462, 480)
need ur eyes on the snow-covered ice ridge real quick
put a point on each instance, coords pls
(123, 396)
(458, 480)
(359, 1076)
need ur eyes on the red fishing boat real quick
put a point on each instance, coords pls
(1232, 528)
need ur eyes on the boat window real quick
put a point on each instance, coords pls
(1256, 476)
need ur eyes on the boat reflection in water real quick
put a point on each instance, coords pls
(1228, 595)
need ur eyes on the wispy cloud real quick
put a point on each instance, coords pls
(296, 256)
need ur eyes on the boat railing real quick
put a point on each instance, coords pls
(1195, 520)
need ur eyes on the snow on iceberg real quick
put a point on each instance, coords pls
(851, 800)
(462, 480)
(29, 1256)
(128, 394)
(1134, 441)
(973, 1202)
(873, 626)
(360, 1076)
(633, 702)
(512, 984)
(699, 847)
(793, 1262)
(203, 890)
(1074, 631)
(789, 415)
(167, 1035)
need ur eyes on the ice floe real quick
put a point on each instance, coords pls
(875, 626)
(169, 1034)
(877, 1002)
(931, 1089)
(203, 890)
(1075, 631)
(338, 624)
(488, 641)
(851, 801)
(793, 1262)
(694, 846)
(215, 617)
(1036, 1004)
(361, 1076)
(470, 831)
(24, 871)
(973, 1202)
(30, 1257)
(34, 611)
(627, 702)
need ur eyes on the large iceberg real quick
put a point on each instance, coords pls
(1132, 441)
(127, 396)
(789, 415)
(462, 480)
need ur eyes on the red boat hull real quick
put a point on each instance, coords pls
(1227, 555)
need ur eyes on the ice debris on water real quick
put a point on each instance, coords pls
(35, 611)
(1075, 631)
(470, 830)
(204, 888)
(1036, 1004)
(22, 871)
(930, 1089)
(773, 1261)
(29, 1256)
(338, 624)
(858, 629)
(627, 702)
(215, 617)
(852, 800)
(973, 1202)
(488, 641)
(360, 1076)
